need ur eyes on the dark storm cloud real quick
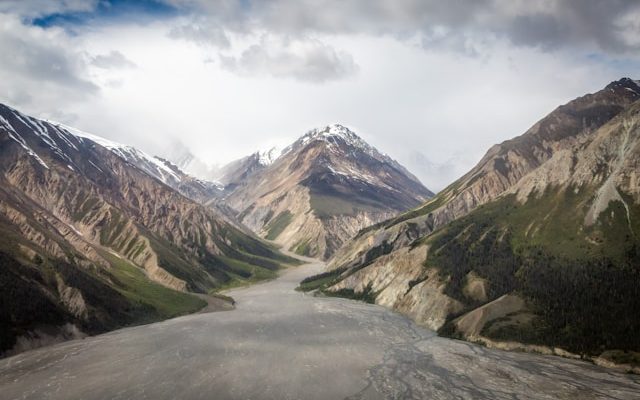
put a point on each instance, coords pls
(603, 24)
(467, 27)
(550, 24)
(542, 30)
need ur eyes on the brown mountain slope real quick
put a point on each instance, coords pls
(322, 190)
(100, 242)
(537, 244)
(503, 166)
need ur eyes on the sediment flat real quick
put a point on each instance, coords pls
(283, 344)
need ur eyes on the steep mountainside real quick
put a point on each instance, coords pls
(321, 190)
(159, 168)
(537, 244)
(92, 238)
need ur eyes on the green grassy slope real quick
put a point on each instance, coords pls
(159, 302)
(277, 225)
(117, 297)
(582, 282)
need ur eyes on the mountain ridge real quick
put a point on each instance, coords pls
(320, 190)
(102, 243)
(556, 206)
(490, 176)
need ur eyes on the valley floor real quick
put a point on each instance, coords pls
(283, 344)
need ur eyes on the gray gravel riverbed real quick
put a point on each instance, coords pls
(282, 344)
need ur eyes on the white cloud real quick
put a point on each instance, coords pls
(41, 69)
(302, 59)
(434, 96)
(201, 31)
(113, 59)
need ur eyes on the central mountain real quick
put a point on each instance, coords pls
(319, 191)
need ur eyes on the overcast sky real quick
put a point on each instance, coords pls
(432, 83)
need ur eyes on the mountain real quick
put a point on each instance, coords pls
(180, 156)
(96, 235)
(319, 191)
(536, 245)
(237, 172)
(157, 167)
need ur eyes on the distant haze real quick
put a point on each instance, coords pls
(434, 84)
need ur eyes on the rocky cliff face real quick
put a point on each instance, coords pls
(96, 235)
(538, 243)
(320, 191)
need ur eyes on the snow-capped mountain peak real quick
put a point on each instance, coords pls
(333, 131)
(329, 182)
(333, 135)
(267, 157)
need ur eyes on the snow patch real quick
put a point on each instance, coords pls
(58, 136)
(139, 158)
(95, 166)
(17, 138)
(332, 134)
(73, 228)
(40, 130)
(268, 157)
(116, 254)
